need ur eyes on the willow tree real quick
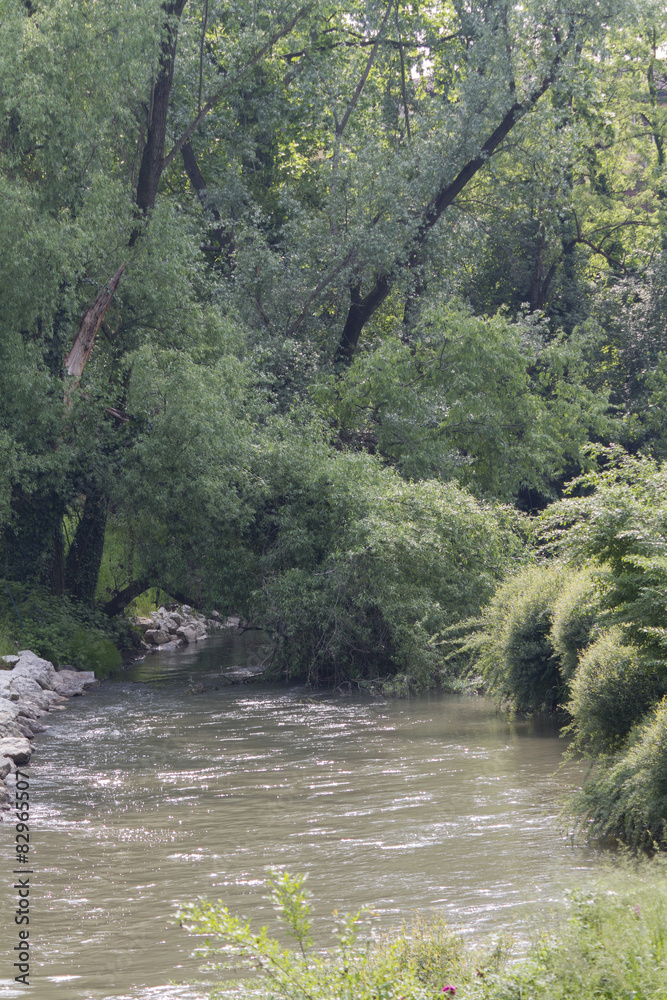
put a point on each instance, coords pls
(87, 134)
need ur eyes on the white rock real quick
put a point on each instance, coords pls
(188, 632)
(71, 683)
(18, 750)
(157, 636)
(17, 728)
(28, 689)
(30, 665)
(9, 710)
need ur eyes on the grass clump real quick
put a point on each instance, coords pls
(612, 944)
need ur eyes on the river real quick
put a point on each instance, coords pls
(166, 785)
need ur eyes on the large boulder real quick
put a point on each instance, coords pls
(158, 636)
(70, 683)
(191, 632)
(33, 666)
(29, 690)
(12, 729)
(5, 686)
(18, 750)
(172, 624)
(9, 711)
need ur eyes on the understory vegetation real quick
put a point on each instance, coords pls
(611, 943)
(351, 321)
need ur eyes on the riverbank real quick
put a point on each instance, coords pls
(177, 625)
(30, 687)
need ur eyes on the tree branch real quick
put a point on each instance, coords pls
(361, 309)
(210, 104)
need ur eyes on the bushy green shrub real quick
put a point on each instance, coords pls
(620, 523)
(612, 690)
(613, 945)
(61, 630)
(91, 651)
(513, 641)
(575, 614)
(364, 571)
(626, 795)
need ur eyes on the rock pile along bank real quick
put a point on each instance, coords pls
(29, 688)
(171, 626)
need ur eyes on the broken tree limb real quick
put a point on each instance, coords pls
(77, 356)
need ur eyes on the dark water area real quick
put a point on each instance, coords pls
(169, 784)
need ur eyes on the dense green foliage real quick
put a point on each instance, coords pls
(300, 304)
(626, 795)
(60, 630)
(495, 403)
(367, 570)
(574, 619)
(611, 945)
(612, 690)
(513, 641)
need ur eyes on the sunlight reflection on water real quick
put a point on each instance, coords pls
(146, 796)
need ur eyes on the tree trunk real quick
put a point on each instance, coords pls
(58, 561)
(152, 157)
(123, 597)
(81, 349)
(358, 315)
(361, 310)
(82, 567)
(196, 178)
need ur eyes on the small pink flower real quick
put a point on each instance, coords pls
(449, 989)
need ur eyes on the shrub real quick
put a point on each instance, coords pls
(366, 571)
(612, 690)
(61, 630)
(613, 945)
(625, 796)
(91, 651)
(514, 644)
(620, 524)
(575, 614)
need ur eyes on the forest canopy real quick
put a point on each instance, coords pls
(303, 307)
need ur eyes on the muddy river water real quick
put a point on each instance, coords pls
(166, 785)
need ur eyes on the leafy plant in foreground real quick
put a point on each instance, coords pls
(613, 944)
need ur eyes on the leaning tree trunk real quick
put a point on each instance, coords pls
(152, 158)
